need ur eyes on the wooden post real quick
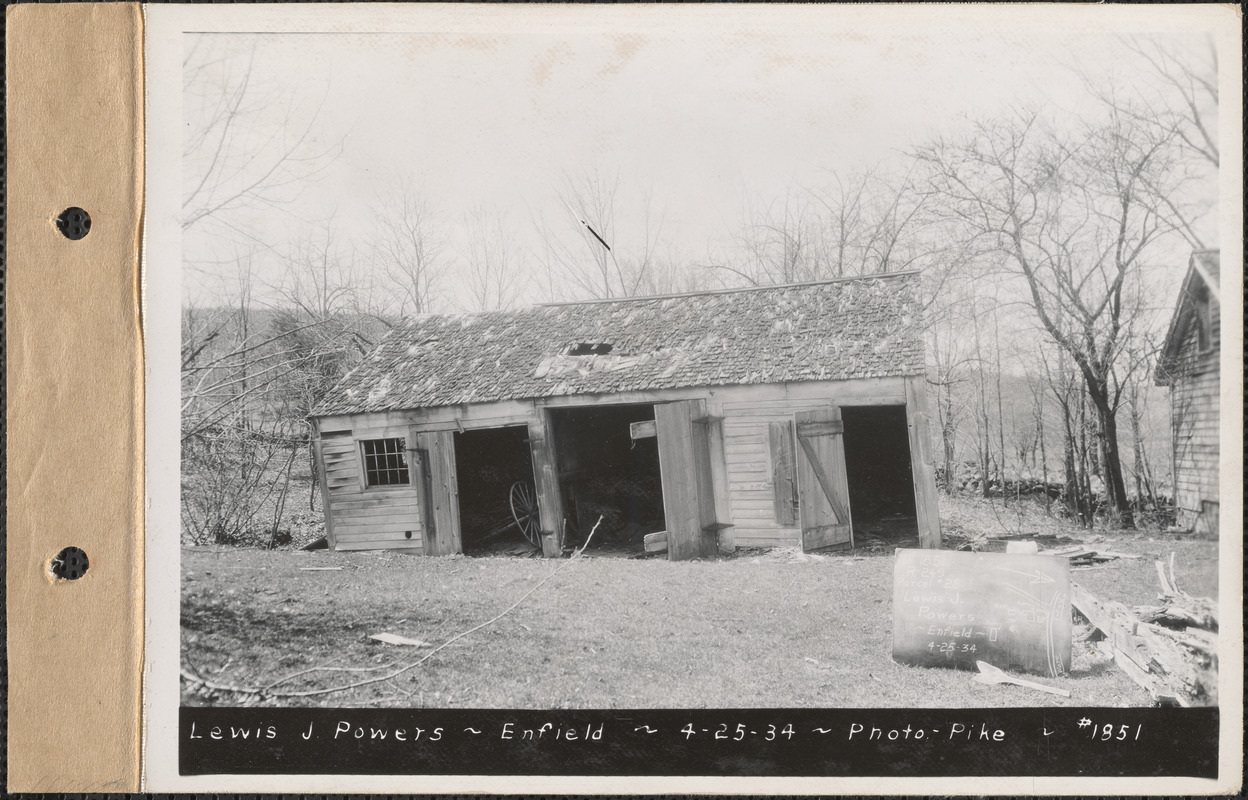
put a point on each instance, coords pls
(924, 474)
(323, 480)
(546, 482)
(725, 539)
(419, 463)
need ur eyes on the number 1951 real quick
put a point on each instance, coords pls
(1108, 732)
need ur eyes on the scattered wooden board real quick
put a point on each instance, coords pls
(393, 638)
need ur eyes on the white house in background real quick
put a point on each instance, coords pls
(1189, 365)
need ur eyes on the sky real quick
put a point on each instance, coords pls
(706, 126)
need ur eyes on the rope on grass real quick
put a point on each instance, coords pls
(221, 686)
(390, 675)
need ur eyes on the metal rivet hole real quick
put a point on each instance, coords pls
(70, 564)
(74, 223)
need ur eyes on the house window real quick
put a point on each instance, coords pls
(385, 462)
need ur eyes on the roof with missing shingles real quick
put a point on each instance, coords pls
(867, 327)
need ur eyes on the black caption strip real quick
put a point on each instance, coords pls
(1094, 742)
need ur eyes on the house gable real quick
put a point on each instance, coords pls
(1193, 340)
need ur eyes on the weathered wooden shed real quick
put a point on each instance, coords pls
(1189, 365)
(779, 416)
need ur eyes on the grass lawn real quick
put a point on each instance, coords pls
(770, 629)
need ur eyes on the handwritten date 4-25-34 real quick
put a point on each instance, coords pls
(739, 733)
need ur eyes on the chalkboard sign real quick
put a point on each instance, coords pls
(951, 609)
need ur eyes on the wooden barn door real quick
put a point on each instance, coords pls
(685, 466)
(432, 455)
(822, 486)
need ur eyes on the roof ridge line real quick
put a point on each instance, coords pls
(738, 290)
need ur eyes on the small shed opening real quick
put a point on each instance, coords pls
(609, 466)
(881, 484)
(492, 466)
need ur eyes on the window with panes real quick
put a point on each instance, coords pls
(385, 462)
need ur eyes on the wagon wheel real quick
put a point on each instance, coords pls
(524, 511)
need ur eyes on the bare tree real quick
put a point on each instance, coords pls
(1064, 209)
(1191, 78)
(494, 266)
(598, 245)
(248, 145)
(235, 371)
(873, 222)
(946, 348)
(319, 276)
(780, 242)
(1038, 420)
(844, 203)
(1173, 90)
(409, 246)
(854, 223)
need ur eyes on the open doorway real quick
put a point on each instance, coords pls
(881, 484)
(609, 466)
(494, 469)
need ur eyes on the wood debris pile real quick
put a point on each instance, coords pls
(1084, 556)
(1170, 649)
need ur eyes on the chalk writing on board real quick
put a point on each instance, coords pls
(951, 609)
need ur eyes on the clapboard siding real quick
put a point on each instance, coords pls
(368, 519)
(1197, 441)
(356, 546)
(374, 514)
(1195, 415)
(366, 535)
(747, 451)
(768, 537)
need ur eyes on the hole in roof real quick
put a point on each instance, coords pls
(590, 349)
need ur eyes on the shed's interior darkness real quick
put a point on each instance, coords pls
(881, 485)
(604, 472)
(487, 464)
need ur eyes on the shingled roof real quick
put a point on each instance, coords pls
(866, 327)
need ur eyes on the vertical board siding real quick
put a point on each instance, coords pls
(685, 467)
(366, 519)
(783, 473)
(440, 487)
(822, 483)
